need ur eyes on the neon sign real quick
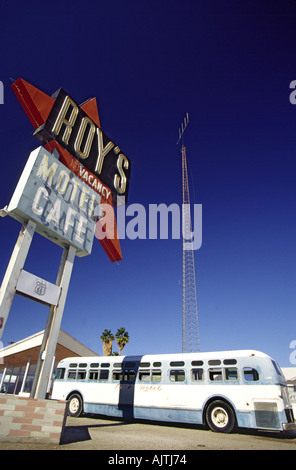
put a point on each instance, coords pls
(61, 205)
(70, 126)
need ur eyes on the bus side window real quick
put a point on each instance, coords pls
(93, 375)
(231, 373)
(117, 375)
(129, 375)
(156, 375)
(215, 375)
(144, 376)
(81, 374)
(72, 374)
(196, 375)
(177, 375)
(60, 374)
(104, 374)
(250, 374)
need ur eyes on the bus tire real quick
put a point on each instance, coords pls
(75, 405)
(220, 416)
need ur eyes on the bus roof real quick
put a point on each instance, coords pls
(169, 357)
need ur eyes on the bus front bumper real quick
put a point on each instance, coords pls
(289, 426)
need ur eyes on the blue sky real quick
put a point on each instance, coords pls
(229, 65)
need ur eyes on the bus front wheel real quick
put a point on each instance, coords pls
(75, 405)
(220, 416)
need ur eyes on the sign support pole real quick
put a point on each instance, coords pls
(52, 329)
(13, 271)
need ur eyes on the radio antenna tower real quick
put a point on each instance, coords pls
(190, 331)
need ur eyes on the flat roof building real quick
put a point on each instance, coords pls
(18, 361)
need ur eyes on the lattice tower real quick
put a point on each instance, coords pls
(190, 330)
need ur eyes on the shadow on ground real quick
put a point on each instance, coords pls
(73, 434)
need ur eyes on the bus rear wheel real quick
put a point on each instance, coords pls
(75, 405)
(220, 416)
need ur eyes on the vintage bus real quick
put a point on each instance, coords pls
(222, 390)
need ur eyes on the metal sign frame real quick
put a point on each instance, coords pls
(9, 289)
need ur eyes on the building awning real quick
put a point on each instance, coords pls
(20, 352)
(289, 373)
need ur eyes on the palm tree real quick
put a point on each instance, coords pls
(122, 338)
(107, 339)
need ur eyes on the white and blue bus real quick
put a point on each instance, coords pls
(223, 390)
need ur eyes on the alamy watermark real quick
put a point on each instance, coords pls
(292, 96)
(1, 93)
(158, 221)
